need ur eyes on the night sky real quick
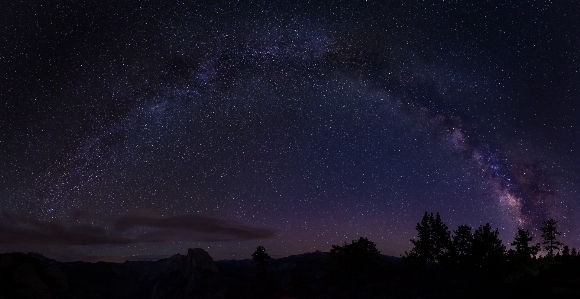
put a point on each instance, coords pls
(136, 130)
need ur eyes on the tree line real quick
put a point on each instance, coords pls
(482, 252)
(435, 248)
(462, 254)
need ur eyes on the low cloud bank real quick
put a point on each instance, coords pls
(24, 233)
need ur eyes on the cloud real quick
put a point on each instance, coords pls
(214, 229)
(16, 229)
(23, 233)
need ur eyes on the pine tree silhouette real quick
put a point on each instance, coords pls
(521, 260)
(421, 252)
(433, 242)
(260, 258)
(265, 283)
(522, 244)
(441, 240)
(487, 250)
(462, 243)
(550, 235)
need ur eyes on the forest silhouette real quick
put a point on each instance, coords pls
(442, 263)
(463, 263)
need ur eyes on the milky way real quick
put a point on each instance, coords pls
(294, 126)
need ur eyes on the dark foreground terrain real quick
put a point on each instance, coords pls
(196, 275)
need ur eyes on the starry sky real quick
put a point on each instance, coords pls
(138, 129)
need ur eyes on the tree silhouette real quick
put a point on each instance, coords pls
(265, 285)
(522, 260)
(550, 235)
(441, 240)
(260, 258)
(354, 257)
(462, 243)
(487, 250)
(421, 252)
(352, 265)
(432, 244)
(522, 244)
(566, 253)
